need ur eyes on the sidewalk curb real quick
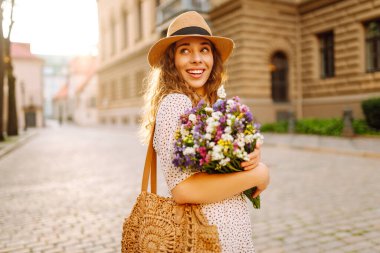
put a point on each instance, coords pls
(328, 150)
(9, 148)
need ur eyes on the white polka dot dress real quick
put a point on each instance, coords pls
(231, 215)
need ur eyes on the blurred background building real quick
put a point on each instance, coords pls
(29, 86)
(55, 73)
(313, 58)
(75, 101)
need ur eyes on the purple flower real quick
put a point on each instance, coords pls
(249, 116)
(220, 105)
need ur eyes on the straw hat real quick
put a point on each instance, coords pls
(189, 24)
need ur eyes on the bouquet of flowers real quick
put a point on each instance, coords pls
(217, 139)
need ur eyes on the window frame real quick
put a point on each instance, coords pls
(373, 55)
(327, 54)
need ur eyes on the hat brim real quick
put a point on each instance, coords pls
(222, 44)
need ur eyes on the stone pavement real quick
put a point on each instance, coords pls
(13, 142)
(68, 189)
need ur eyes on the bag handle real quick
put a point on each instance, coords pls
(150, 167)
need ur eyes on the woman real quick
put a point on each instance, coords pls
(187, 66)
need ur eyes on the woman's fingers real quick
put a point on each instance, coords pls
(258, 145)
(251, 165)
(256, 193)
(254, 158)
(253, 155)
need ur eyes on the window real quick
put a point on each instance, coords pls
(139, 83)
(113, 37)
(125, 29)
(125, 88)
(103, 92)
(103, 46)
(372, 35)
(113, 90)
(125, 120)
(279, 73)
(139, 21)
(326, 46)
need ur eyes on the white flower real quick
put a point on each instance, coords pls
(192, 118)
(216, 115)
(240, 153)
(224, 161)
(259, 138)
(240, 140)
(189, 151)
(227, 137)
(209, 129)
(230, 102)
(208, 136)
(217, 153)
(209, 109)
(249, 138)
(227, 130)
(211, 144)
(184, 132)
(210, 120)
(221, 92)
(211, 125)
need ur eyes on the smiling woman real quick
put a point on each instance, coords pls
(59, 27)
(187, 66)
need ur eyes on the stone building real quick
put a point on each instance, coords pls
(315, 58)
(27, 69)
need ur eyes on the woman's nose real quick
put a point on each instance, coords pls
(196, 57)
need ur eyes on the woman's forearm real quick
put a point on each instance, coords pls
(202, 188)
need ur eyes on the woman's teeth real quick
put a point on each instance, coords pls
(195, 71)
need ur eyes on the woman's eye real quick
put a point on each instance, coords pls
(184, 51)
(205, 50)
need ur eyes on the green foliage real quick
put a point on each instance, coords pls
(371, 110)
(331, 127)
(361, 127)
(278, 127)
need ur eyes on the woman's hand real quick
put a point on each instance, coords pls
(262, 173)
(254, 159)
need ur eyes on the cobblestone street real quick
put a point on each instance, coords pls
(68, 190)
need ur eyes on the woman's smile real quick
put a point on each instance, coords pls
(195, 73)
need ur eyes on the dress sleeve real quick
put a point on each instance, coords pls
(167, 122)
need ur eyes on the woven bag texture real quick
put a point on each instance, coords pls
(157, 224)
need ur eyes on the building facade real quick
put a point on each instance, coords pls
(75, 100)
(86, 113)
(55, 73)
(29, 86)
(310, 58)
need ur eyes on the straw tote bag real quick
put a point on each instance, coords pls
(158, 224)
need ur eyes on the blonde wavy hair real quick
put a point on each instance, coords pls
(165, 79)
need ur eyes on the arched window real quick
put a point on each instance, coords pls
(279, 71)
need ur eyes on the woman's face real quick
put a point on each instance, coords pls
(194, 60)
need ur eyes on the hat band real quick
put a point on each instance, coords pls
(191, 30)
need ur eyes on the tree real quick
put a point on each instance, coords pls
(12, 127)
(2, 138)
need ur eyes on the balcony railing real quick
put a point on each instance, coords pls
(171, 8)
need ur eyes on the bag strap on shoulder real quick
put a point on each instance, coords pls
(150, 168)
